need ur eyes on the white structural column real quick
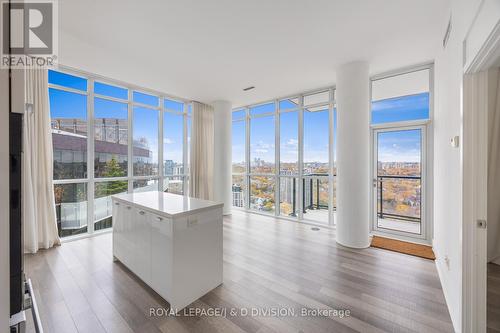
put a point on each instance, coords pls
(222, 154)
(353, 155)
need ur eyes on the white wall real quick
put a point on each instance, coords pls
(4, 201)
(447, 171)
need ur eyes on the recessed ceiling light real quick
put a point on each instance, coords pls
(248, 88)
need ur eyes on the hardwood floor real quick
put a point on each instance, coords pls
(268, 264)
(493, 297)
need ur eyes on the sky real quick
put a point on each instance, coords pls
(403, 146)
(399, 146)
(145, 121)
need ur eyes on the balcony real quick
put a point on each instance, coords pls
(399, 203)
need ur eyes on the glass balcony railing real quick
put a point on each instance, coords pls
(399, 197)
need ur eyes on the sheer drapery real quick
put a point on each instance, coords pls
(39, 213)
(202, 152)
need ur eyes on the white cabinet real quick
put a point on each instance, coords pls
(142, 244)
(161, 263)
(173, 243)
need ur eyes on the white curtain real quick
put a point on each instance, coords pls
(202, 152)
(494, 166)
(39, 212)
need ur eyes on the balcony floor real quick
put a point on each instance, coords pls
(321, 216)
(399, 225)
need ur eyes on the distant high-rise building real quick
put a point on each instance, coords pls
(238, 200)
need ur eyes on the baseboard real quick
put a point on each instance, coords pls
(440, 269)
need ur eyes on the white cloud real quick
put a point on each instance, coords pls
(168, 141)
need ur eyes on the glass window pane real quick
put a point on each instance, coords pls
(173, 129)
(173, 185)
(262, 194)
(66, 80)
(145, 99)
(262, 145)
(289, 143)
(145, 147)
(145, 185)
(239, 114)
(289, 104)
(321, 97)
(172, 105)
(109, 90)
(71, 208)
(238, 146)
(316, 142)
(402, 97)
(263, 108)
(103, 206)
(404, 108)
(239, 191)
(316, 194)
(289, 196)
(110, 138)
(399, 155)
(68, 113)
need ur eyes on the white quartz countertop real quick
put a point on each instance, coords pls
(168, 204)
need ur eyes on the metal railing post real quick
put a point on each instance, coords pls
(317, 194)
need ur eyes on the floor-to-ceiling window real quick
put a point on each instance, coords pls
(283, 152)
(400, 117)
(111, 138)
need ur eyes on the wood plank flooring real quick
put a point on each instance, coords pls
(493, 299)
(269, 264)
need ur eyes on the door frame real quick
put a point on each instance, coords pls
(424, 236)
(484, 35)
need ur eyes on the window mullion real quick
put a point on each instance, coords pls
(185, 150)
(247, 157)
(161, 136)
(130, 141)
(277, 165)
(300, 207)
(90, 156)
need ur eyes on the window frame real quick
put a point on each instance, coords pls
(427, 222)
(277, 177)
(91, 180)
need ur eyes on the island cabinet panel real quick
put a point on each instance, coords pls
(173, 243)
(161, 262)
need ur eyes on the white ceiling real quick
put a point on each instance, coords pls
(209, 50)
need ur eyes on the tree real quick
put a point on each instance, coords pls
(112, 169)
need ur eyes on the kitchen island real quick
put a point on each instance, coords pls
(171, 242)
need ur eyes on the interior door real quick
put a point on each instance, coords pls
(398, 181)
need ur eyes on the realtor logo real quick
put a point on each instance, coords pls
(31, 29)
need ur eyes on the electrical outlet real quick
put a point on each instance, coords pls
(447, 262)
